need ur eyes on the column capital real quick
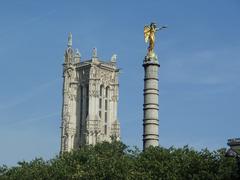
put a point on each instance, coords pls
(150, 60)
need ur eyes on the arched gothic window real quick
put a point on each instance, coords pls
(101, 90)
(81, 105)
(106, 109)
(100, 101)
(107, 92)
(87, 99)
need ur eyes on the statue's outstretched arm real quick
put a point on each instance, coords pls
(162, 27)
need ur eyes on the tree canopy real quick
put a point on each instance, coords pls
(117, 161)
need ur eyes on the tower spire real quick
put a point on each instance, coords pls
(94, 53)
(70, 39)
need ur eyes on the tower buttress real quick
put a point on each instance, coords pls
(68, 125)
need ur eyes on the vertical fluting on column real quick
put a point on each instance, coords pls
(150, 106)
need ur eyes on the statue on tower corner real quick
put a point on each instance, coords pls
(149, 35)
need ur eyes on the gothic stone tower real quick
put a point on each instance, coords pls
(90, 100)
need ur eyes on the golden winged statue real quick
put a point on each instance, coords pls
(149, 35)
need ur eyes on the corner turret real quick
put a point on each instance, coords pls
(69, 53)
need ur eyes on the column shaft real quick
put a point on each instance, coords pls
(150, 106)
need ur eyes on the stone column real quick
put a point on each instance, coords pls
(150, 106)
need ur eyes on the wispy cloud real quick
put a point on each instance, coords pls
(209, 67)
(27, 96)
(21, 25)
(31, 120)
(39, 18)
(35, 118)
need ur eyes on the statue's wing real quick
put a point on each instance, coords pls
(146, 33)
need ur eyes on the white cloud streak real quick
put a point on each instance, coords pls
(27, 96)
(22, 24)
(210, 67)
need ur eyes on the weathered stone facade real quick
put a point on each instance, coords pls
(90, 100)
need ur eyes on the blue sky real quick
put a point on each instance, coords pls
(199, 75)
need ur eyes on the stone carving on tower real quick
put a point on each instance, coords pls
(90, 100)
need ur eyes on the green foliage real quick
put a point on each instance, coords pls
(116, 161)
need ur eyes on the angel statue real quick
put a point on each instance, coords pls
(149, 35)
